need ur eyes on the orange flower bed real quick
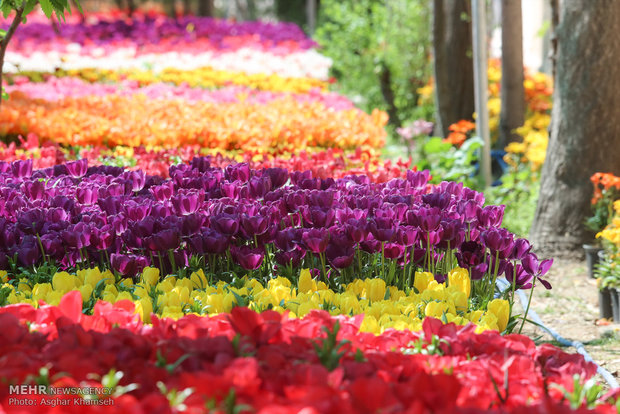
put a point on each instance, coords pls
(283, 124)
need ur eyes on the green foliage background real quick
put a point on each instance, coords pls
(364, 36)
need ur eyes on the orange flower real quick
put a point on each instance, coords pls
(114, 120)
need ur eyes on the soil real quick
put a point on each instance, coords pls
(571, 309)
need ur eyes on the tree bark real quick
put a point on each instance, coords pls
(453, 64)
(585, 135)
(206, 8)
(512, 93)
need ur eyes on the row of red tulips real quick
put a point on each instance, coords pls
(267, 363)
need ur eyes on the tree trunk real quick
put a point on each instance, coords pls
(585, 136)
(512, 93)
(206, 8)
(453, 65)
(187, 7)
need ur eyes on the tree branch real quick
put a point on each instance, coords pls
(7, 38)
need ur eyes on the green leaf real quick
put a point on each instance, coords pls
(6, 8)
(46, 6)
(435, 145)
(29, 7)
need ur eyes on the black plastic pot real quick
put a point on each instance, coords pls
(592, 257)
(604, 303)
(615, 304)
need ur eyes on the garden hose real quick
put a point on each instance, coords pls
(532, 315)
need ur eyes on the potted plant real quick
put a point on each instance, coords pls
(606, 191)
(608, 281)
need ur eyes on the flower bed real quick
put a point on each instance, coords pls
(382, 306)
(241, 220)
(333, 163)
(267, 363)
(204, 77)
(55, 88)
(135, 120)
(186, 43)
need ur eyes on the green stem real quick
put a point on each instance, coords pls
(172, 261)
(496, 268)
(322, 257)
(45, 258)
(529, 301)
(383, 259)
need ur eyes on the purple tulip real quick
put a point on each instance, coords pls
(470, 254)
(393, 250)
(537, 269)
(355, 230)
(418, 179)
(187, 202)
(236, 172)
(77, 169)
(136, 179)
(230, 190)
(214, 242)
(382, 229)
(247, 257)
(86, 195)
(340, 256)
(521, 248)
(253, 225)
(77, 236)
(315, 240)
(491, 216)
(227, 224)
(259, 186)
(287, 239)
(166, 240)
(163, 192)
(428, 219)
(292, 258)
(192, 223)
(128, 264)
(137, 211)
(278, 176)
(317, 216)
(519, 275)
(438, 200)
(407, 235)
(102, 238)
(28, 252)
(34, 190)
(498, 240)
(21, 169)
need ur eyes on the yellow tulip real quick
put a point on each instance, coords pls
(92, 277)
(501, 309)
(85, 291)
(4, 276)
(150, 276)
(370, 324)
(63, 282)
(436, 309)
(166, 285)
(375, 289)
(123, 296)
(40, 291)
(305, 283)
(53, 297)
(459, 278)
(422, 279)
(199, 280)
